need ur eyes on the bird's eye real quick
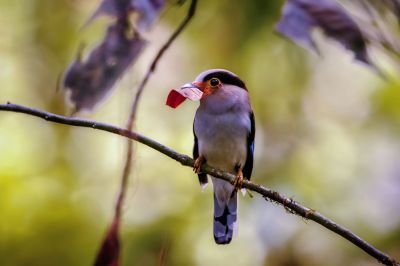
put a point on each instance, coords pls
(214, 82)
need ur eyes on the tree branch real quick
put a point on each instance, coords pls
(289, 204)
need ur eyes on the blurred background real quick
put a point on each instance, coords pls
(328, 135)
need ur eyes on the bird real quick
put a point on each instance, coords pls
(224, 132)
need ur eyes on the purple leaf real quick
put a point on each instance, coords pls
(300, 17)
(109, 252)
(148, 10)
(90, 80)
(394, 5)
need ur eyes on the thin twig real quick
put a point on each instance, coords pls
(267, 193)
(132, 116)
(130, 123)
(163, 256)
(152, 68)
(135, 104)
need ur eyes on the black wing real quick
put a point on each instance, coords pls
(248, 166)
(202, 177)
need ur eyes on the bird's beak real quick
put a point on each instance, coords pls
(193, 91)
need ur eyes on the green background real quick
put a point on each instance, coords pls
(327, 136)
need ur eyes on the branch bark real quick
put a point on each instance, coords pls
(269, 194)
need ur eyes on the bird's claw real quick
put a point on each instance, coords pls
(238, 182)
(197, 164)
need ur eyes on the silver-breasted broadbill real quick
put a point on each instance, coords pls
(224, 132)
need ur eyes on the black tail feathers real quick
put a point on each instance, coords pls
(225, 216)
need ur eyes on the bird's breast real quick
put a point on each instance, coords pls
(222, 138)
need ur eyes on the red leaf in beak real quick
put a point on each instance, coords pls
(175, 98)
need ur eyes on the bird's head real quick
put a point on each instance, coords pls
(208, 83)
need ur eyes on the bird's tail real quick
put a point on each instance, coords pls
(225, 215)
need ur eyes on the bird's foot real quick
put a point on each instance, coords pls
(197, 164)
(238, 182)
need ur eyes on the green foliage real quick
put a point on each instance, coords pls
(386, 102)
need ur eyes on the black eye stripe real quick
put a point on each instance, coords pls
(226, 78)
